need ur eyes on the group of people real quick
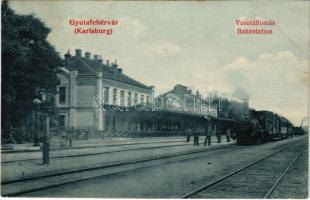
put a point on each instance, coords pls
(207, 138)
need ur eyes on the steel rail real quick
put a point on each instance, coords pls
(283, 174)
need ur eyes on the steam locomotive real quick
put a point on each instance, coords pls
(262, 126)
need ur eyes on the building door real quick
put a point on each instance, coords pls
(61, 121)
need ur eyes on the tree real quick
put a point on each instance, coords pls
(29, 62)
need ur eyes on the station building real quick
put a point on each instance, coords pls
(87, 85)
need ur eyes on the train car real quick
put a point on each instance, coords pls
(298, 131)
(286, 128)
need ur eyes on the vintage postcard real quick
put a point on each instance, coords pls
(154, 99)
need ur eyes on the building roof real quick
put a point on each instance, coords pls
(91, 66)
(179, 90)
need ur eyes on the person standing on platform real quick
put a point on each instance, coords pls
(188, 135)
(228, 135)
(196, 138)
(218, 135)
(208, 136)
(70, 137)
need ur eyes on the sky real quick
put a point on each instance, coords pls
(195, 44)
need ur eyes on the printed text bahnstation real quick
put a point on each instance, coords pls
(254, 23)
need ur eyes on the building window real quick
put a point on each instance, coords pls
(142, 98)
(129, 99)
(61, 121)
(122, 98)
(136, 98)
(106, 95)
(62, 94)
(148, 99)
(114, 96)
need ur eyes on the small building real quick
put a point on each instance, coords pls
(88, 86)
(182, 99)
(187, 103)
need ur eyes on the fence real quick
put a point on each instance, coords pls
(19, 136)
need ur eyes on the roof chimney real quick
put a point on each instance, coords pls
(87, 55)
(96, 57)
(100, 59)
(68, 55)
(78, 52)
(108, 63)
(114, 64)
(197, 93)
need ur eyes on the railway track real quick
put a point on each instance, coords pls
(41, 182)
(294, 183)
(96, 153)
(258, 179)
(92, 147)
(269, 193)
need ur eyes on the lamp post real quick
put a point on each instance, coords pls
(37, 103)
(46, 141)
(46, 108)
